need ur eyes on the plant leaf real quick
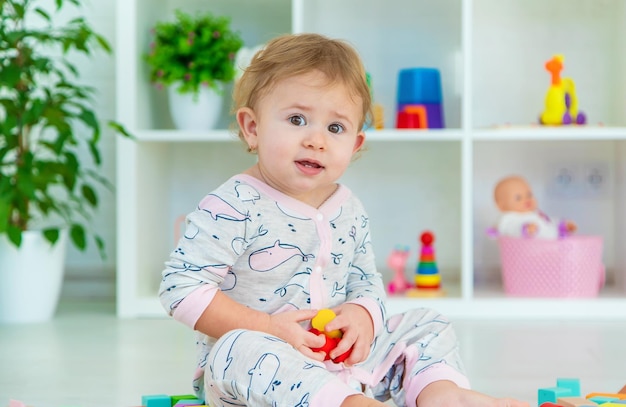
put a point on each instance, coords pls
(120, 129)
(43, 13)
(51, 235)
(15, 235)
(101, 246)
(77, 233)
(5, 212)
(90, 195)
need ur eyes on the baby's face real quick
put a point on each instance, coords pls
(306, 133)
(516, 196)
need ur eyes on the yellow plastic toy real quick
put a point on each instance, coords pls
(320, 320)
(561, 100)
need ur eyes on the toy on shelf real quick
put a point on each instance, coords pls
(561, 100)
(378, 112)
(378, 119)
(420, 101)
(318, 326)
(427, 273)
(540, 256)
(520, 215)
(427, 277)
(397, 262)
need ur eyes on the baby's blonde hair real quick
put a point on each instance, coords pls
(296, 54)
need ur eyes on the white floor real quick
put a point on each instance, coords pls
(87, 357)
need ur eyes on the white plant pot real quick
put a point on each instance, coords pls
(31, 277)
(200, 113)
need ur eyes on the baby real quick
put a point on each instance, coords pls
(282, 239)
(520, 216)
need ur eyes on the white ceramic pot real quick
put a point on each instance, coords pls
(200, 113)
(31, 277)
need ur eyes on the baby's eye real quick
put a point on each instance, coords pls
(336, 128)
(297, 120)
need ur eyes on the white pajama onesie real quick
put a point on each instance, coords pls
(515, 224)
(273, 253)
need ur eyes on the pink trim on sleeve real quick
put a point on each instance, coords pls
(373, 308)
(332, 394)
(192, 306)
(434, 373)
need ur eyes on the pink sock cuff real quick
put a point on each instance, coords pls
(332, 394)
(434, 373)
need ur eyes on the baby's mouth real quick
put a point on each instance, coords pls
(309, 164)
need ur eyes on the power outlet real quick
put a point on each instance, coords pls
(579, 181)
(564, 180)
(595, 179)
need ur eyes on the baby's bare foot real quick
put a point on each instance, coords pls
(447, 394)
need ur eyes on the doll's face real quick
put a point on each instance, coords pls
(514, 195)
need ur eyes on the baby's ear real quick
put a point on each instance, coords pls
(246, 119)
(360, 140)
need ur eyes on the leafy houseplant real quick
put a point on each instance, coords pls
(193, 50)
(47, 125)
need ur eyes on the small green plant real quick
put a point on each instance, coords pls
(194, 50)
(47, 125)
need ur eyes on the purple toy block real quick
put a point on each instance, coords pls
(434, 113)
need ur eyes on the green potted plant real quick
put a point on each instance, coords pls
(194, 56)
(49, 141)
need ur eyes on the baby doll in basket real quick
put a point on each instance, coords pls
(520, 216)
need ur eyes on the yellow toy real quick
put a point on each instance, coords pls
(561, 100)
(320, 320)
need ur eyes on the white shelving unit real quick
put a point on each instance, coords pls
(490, 54)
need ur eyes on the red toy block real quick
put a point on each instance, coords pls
(549, 404)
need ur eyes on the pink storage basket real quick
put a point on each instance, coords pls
(567, 267)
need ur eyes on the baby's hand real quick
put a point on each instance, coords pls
(286, 325)
(571, 226)
(358, 332)
(529, 229)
